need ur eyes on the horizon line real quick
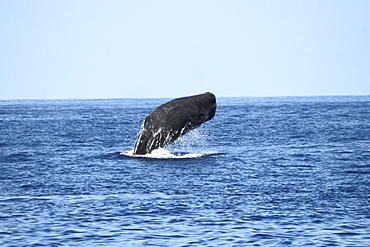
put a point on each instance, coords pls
(267, 96)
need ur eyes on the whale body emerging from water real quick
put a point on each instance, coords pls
(173, 119)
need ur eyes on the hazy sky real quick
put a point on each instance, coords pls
(126, 49)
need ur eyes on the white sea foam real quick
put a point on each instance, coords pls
(162, 153)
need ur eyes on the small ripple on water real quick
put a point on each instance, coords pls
(81, 198)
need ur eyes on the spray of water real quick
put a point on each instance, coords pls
(191, 145)
(192, 142)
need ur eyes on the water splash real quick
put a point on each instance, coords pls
(192, 142)
(162, 153)
(186, 147)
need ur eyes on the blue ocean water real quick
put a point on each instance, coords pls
(285, 171)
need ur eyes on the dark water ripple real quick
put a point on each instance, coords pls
(289, 172)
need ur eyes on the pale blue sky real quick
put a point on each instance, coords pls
(125, 49)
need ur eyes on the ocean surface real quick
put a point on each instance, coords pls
(283, 171)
